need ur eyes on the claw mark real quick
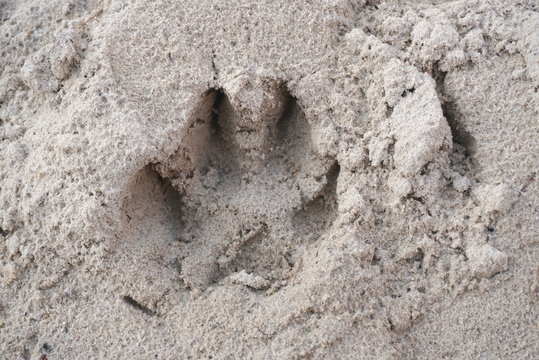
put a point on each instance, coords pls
(130, 301)
(528, 181)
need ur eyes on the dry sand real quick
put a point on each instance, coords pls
(330, 179)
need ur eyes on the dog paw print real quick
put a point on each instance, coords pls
(252, 190)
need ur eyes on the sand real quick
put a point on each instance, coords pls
(331, 179)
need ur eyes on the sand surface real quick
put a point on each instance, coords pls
(329, 179)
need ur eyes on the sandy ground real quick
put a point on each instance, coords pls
(330, 179)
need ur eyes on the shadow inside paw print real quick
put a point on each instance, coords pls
(252, 190)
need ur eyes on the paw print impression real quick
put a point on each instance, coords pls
(251, 192)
